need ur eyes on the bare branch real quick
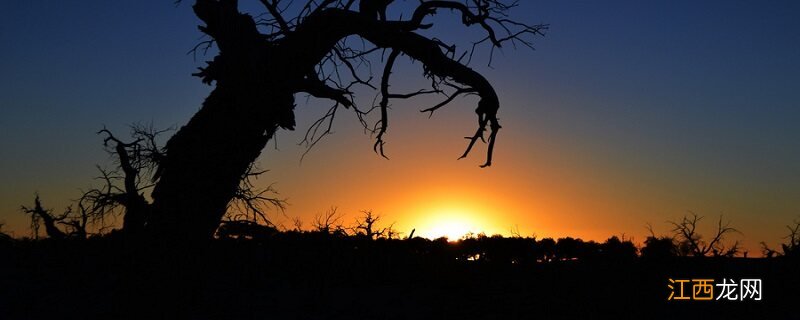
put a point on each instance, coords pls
(250, 203)
(38, 213)
(329, 222)
(272, 8)
(317, 88)
(383, 123)
(367, 226)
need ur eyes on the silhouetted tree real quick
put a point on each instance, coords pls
(791, 248)
(260, 66)
(568, 248)
(690, 242)
(120, 192)
(329, 223)
(499, 249)
(39, 216)
(76, 223)
(547, 249)
(768, 252)
(617, 249)
(136, 163)
(367, 226)
(658, 247)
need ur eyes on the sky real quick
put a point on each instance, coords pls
(627, 113)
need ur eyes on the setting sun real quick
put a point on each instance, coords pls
(453, 230)
(450, 223)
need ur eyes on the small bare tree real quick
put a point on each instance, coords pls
(791, 248)
(119, 193)
(768, 252)
(329, 222)
(41, 216)
(135, 171)
(691, 242)
(367, 226)
(89, 218)
(658, 247)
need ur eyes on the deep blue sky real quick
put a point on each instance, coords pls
(683, 104)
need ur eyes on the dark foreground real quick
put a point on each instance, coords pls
(338, 279)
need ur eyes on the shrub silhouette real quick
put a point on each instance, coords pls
(659, 248)
(616, 249)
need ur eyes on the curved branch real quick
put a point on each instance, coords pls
(439, 64)
(337, 24)
(384, 104)
(272, 7)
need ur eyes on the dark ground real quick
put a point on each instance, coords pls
(338, 279)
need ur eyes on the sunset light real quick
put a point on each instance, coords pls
(382, 159)
(450, 223)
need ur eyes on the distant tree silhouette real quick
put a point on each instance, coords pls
(547, 249)
(768, 252)
(658, 247)
(791, 248)
(617, 249)
(367, 226)
(499, 249)
(89, 218)
(41, 216)
(690, 242)
(263, 63)
(329, 223)
(568, 248)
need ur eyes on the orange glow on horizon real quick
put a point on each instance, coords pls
(452, 223)
(454, 213)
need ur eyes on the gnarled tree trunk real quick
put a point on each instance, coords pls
(206, 159)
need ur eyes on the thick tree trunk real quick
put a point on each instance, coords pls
(207, 158)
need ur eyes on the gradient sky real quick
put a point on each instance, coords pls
(628, 112)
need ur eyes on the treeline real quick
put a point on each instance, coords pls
(327, 228)
(367, 232)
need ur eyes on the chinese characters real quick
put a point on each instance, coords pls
(703, 289)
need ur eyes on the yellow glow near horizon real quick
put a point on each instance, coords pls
(452, 223)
